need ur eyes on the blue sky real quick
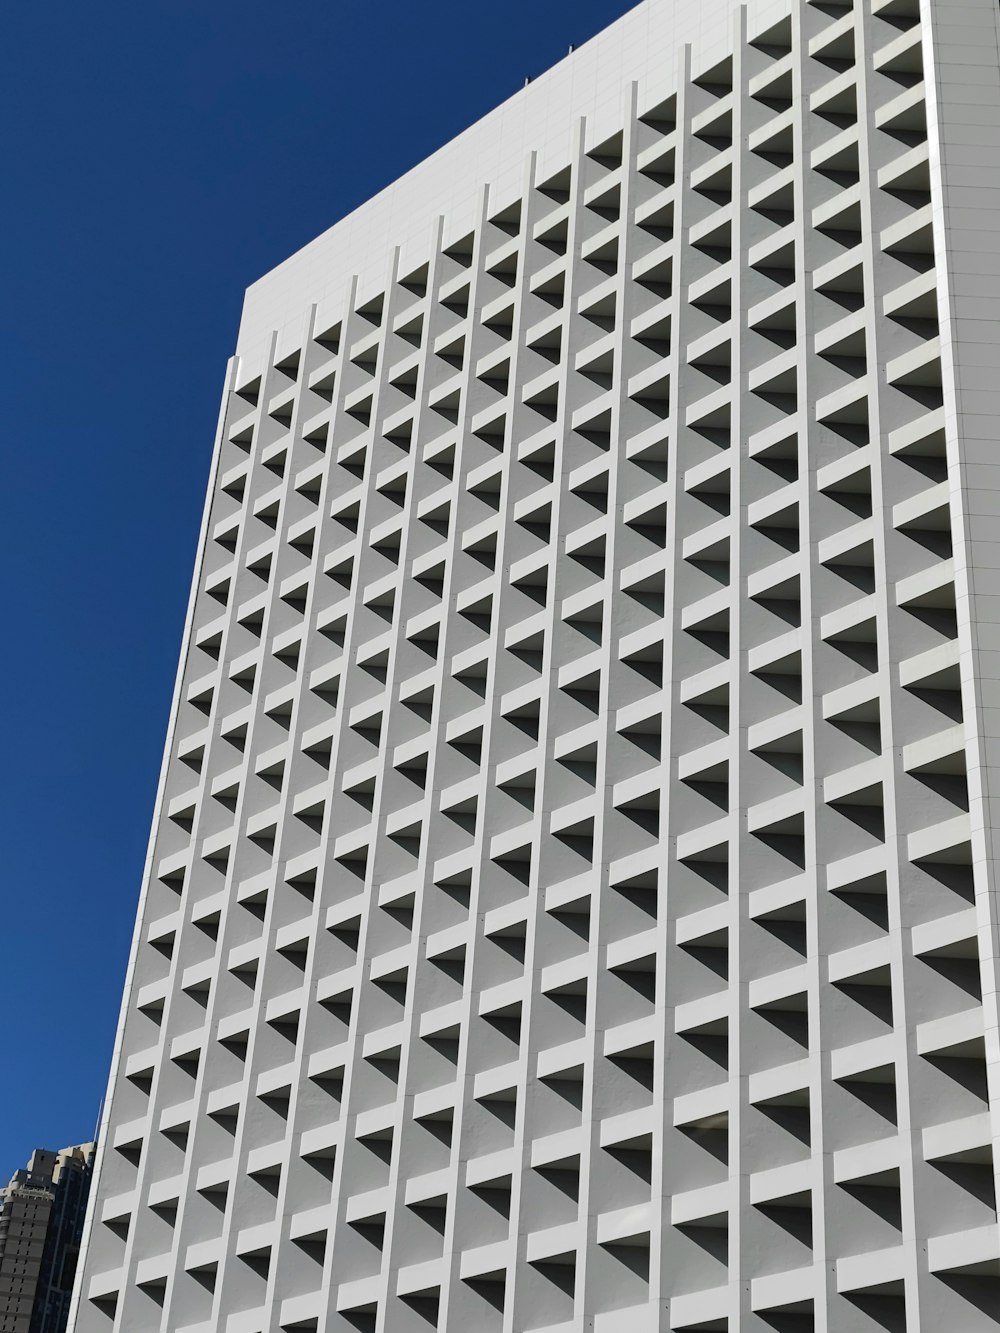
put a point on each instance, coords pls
(159, 157)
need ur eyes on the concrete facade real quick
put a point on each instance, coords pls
(572, 897)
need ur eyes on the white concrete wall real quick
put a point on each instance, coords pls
(571, 901)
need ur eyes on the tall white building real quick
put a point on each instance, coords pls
(572, 901)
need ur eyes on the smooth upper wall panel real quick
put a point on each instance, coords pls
(642, 47)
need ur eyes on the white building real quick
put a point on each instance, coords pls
(572, 899)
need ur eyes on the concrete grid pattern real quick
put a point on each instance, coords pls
(571, 902)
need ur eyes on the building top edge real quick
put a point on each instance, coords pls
(643, 47)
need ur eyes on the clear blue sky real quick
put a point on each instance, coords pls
(159, 156)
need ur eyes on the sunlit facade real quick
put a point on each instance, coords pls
(571, 902)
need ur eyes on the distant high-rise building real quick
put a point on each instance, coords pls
(573, 896)
(71, 1178)
(25, 1205)
(42, 1212)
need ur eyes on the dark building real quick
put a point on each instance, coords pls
(71, 1182)
(41, 1221)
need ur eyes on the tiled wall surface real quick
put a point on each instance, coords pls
(572, 900)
